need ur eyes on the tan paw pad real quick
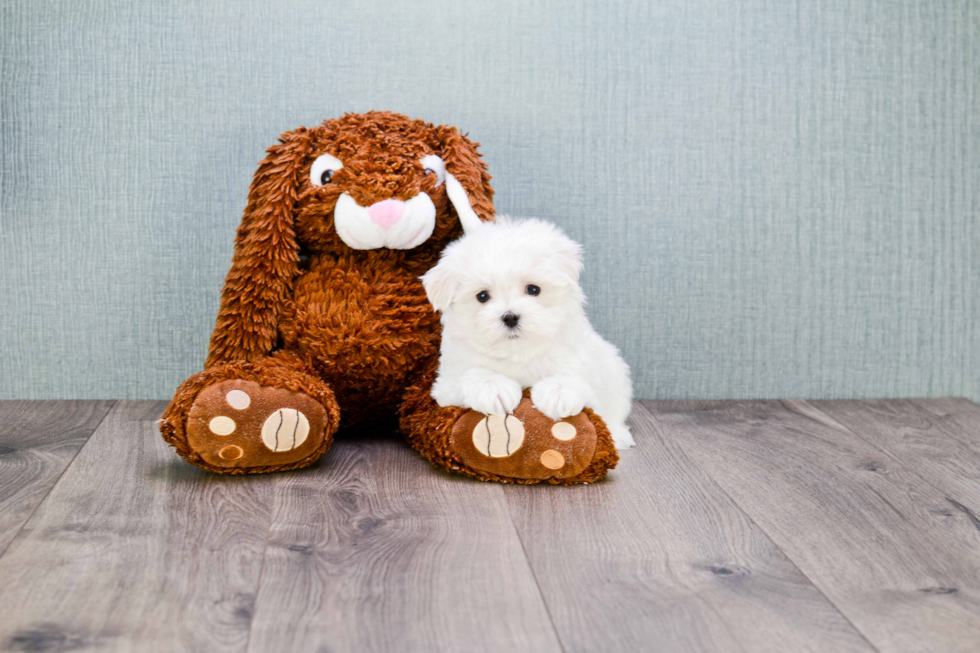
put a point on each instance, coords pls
(231, 452)
(498, 436)
(222, 425)
(539, 447)
(552, 459)
(238, 400)
(563, 431)
(285, 429)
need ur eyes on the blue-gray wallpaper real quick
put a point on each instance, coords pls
(778, 199)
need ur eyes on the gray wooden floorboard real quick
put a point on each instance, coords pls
(875, 537)
(938, 438)
(135, 550)
(38, 440)
(746, 526)
(374, 550)
(657, 557)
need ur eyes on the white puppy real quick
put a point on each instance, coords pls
(513, 317)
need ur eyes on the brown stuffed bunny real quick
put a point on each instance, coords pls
(323, 319)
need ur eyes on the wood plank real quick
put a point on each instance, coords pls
(658, 557)
(38, 440)
(376, 550)
(871, 534)
(135, 550)
(937, 438)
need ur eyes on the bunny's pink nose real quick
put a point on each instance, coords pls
(385, 214)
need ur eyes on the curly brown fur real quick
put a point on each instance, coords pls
(286, 213)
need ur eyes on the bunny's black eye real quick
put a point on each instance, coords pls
(323, 169)
(533, 290)
(483, 296)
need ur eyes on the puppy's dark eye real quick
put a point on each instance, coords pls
(326, 177)
(483, 296)
(430, 171)
(533, 290)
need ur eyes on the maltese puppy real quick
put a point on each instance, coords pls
(513, 317)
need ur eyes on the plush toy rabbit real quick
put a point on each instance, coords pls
(324, 321)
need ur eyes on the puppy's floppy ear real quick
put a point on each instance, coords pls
(440, 286)
(463, 162)
(565, 258)
(266, 257)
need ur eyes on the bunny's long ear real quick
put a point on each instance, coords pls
(466, 178)
(461, 202)
(266, 257)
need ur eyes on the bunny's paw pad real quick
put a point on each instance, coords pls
(243, 424)
(526, 445)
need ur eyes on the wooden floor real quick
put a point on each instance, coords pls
(733, 526)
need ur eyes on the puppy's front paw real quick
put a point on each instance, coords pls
(491, 394)
(557, 397)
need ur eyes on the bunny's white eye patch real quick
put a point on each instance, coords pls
(435, 164)
(323, 168)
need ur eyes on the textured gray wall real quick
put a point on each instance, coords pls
(778, 198)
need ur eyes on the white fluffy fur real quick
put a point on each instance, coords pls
(484, 365)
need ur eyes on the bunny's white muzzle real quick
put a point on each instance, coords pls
(391, 223)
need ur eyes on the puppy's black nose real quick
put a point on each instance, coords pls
(510, 319)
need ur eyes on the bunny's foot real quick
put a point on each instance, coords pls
(246, 418)
(241, 424)
(524, 447)
(530, 446)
